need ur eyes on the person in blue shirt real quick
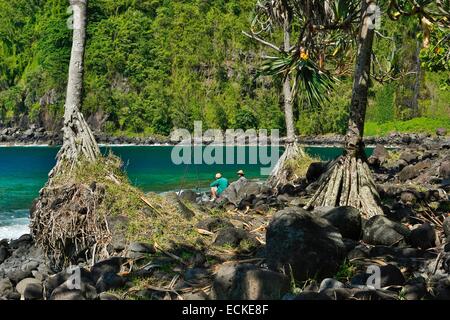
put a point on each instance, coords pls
(218, 186)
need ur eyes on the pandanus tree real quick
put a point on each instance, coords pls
(333, 24)
(271, 14)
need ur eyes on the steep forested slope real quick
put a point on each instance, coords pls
(152, 65)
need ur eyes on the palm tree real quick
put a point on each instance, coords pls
(78, 140)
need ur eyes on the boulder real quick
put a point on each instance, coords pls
(33, 291)
(107, 296)
(142, 247)
(423, 237)
(188, 195)
(391, 276)
(235, 281)
(380, 154)
(330, 283)
(444, 170)
(197, 275)
(441, 132)
(213, 224)
(20, 287)
(232, 236)
(4, 253)
(379, 230)
(446, 226)
(347, 220)
(6, 287)
(415, 289)
(16, 275)
(408, 197)
(407, 173)
(308, 244)
(111, 265)
(241, 190)
(109, 281)
(64, 293)
(409, 156)
(315, 170)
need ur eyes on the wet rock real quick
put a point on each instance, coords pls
(308, 244)
(423, 237)
(247, 282)
(379, 230)
(347, 220)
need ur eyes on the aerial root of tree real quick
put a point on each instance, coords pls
(65, 222)
(282, 172)
(348, 182)
(79, 143)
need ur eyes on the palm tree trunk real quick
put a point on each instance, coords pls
(78, 140)
(287, 89)
(349, 181)
(280, 174)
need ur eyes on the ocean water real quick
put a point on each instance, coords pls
(23, 172)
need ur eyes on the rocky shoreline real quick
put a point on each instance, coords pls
(261, 239)
(39, 136)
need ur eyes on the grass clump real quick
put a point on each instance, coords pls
(298, 166)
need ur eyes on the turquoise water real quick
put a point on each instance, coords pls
(23, 171)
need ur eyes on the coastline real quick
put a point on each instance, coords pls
(38, 137)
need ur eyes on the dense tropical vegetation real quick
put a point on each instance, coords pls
(155, 65)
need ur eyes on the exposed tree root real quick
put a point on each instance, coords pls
(282, 173)
(348, 182)
(79, 143)
(66, 223)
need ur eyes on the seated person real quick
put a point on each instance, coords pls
(218, 186)
(241, 175)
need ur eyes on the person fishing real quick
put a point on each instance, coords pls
(218, 186)
(241, 175)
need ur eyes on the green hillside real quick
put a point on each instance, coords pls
(153, 65)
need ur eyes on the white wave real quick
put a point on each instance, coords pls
(14, 231)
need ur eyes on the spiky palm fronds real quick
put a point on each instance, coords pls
(306, 74)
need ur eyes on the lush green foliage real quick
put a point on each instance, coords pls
(152, 65)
